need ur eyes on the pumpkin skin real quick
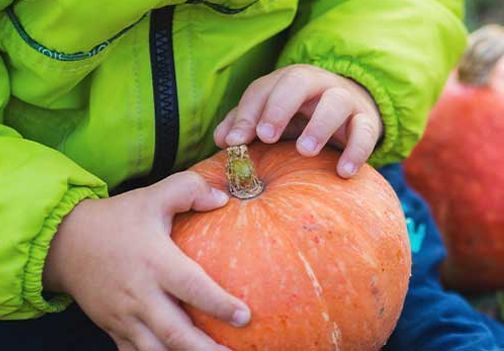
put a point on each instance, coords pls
(459, 168)
(322, 262)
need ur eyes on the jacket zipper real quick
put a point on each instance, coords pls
(165, 93)
(165, 101)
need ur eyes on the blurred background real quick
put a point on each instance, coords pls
(480, 12)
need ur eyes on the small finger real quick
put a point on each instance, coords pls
(174, 329)
(295, 87)
(364, 132)
(250, 108)
(190, 283)
(222, 130)
(334, 108)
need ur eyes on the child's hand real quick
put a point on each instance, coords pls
(116, 258)
(335, 109)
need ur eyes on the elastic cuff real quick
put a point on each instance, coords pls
(32, 284)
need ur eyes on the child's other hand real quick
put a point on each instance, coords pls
(116, 258)
(328, 108)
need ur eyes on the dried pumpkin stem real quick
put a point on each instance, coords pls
(486, 48)
(241, 174)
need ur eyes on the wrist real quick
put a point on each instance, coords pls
(62, 248)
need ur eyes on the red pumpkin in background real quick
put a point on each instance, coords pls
(459, 165)
(322, 262)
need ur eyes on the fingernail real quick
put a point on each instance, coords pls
(349, 169)
(266, 130)
(220, 196)
(235, 137)
(308, 143)
(241, 318)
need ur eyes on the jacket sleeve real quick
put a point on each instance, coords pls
(400, 50)
(53, 45)
(38, 187)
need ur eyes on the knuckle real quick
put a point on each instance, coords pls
(320, 128)
(217, 304)
(301, 66)
(149, 346)
(244, 124)
(194, 182)
(367, 129)
(127, 305)
(153, 263)
(175, 337)
(338, 95)
(255, 85)
(230, 115)
(296, 75)
(193, 177)
(253, 90)
(191, 285)
(360, 152)
(276, 113)
(118, 323)
(174, 178)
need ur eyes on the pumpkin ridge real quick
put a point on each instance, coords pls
(335, 333)
(284, 223)
(267, 164)
(321, 267)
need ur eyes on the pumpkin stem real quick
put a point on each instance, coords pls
(486, 48)
(243, 181)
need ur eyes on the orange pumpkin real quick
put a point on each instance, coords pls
(459, 166)
(322, 262)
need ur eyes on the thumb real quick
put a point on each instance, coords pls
(186, 191)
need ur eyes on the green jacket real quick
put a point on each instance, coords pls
(89, 99)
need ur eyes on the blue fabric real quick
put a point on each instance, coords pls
(434, 319)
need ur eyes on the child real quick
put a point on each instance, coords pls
(97, 93)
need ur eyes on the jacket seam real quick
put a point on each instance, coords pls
(165, 95)
(62, 56)
(195, 125)
(139, 152)
(221, 8)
